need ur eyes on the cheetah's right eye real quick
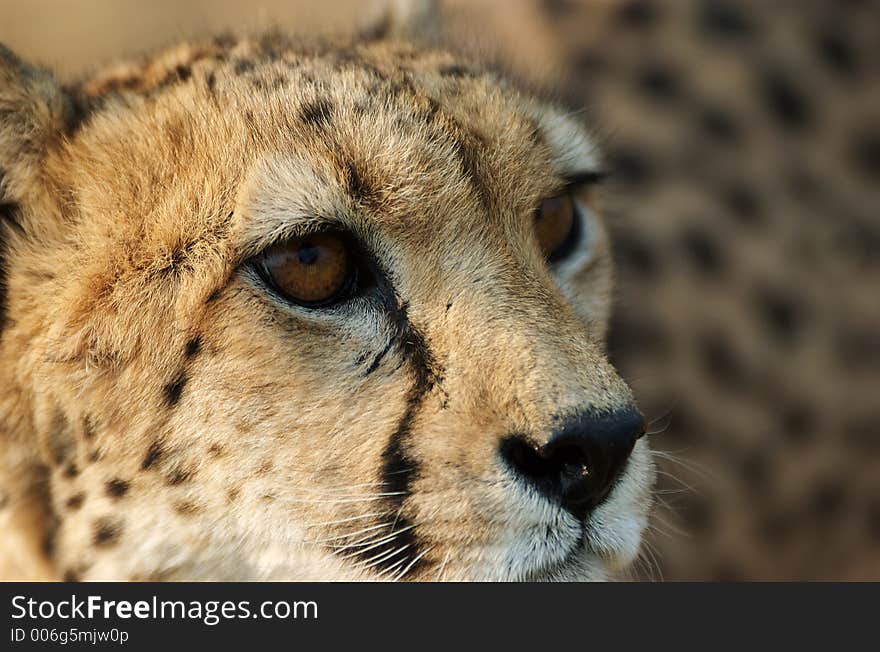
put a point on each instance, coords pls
(314, 271)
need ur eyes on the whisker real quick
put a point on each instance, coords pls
(403, 573)
(689, 465)
(342, 520)
(442, 568)
(339, 501)
(654, 563)
(378, 543)
(347, 535)
(382, 557)
(369, 540)
(665, 414)
(391, 568)
(675, 478)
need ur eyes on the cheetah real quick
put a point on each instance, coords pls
(276, 310)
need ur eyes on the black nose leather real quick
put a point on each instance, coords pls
(578, 465)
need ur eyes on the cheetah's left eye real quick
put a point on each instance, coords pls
(556, 226)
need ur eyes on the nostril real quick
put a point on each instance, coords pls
(524, 458)
(576, 471)
(579, 464)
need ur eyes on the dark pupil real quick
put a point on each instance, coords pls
(308, 254)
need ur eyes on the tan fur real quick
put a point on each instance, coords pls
(170, 420)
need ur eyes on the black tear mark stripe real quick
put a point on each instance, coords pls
(399, 469)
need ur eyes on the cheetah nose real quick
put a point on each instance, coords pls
(578, 465)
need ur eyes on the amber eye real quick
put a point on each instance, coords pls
(556, 226)
(314, 270)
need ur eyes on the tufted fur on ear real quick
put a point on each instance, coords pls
(34, 111)
(413, 20)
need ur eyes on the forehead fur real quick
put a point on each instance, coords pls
(388, 121)
(170, 150)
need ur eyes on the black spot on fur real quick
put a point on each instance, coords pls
(215, 294)
(317, 113)
(865, 154)
(858, 347)
(75, 501)
(633, 335)
(781, 314)
(179, 476)
(47, 543)
(211, 83)
(755, 469)
(835, 48)
(106, 532)
(701, 250)
(559, 8)
(721, 18)
(117, 488)
(242, 66)
(631, 166)
(174, 389)
(797, 422)
(633, 253)
(179, 261)
(696, 514)
(743, 202)
(659, 82)
(721, 362)
(186, 508)
(88, 427)
(639, 14)
(183, 72)
(827, 500)
(61, 443)
(785, 101)
(456, 70)
(193, 347)
(590, 62)
(71, 575)
(153, 454)
(358, 187)
(860, 432)
(70, 471)
(719, 124)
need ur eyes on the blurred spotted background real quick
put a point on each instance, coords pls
(743, 138)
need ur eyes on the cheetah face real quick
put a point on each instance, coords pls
(329, 316)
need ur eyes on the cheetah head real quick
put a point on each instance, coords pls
(275, 312)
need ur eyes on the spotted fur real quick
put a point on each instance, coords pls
(165, 416)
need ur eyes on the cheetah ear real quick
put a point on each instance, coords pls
(414, 20)
(34, 111)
